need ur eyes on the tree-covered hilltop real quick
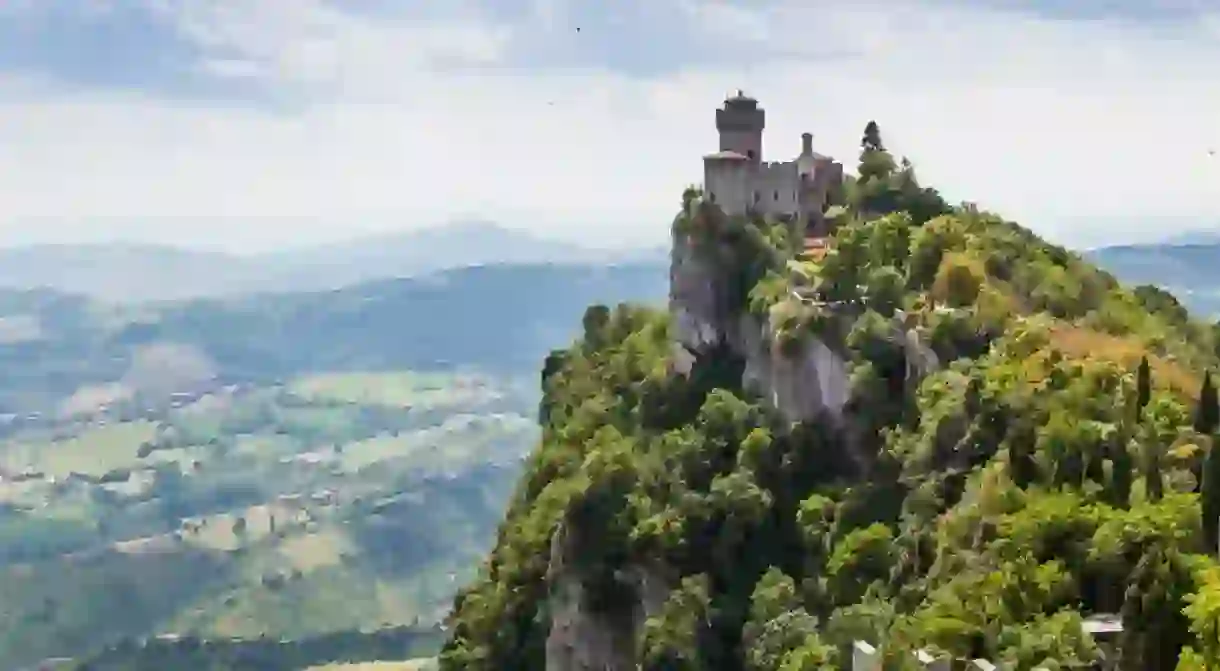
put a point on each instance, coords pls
(1049, 459)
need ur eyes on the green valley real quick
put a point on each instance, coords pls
(288, 512)
(272, 468)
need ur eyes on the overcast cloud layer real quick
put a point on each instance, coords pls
(255, 124)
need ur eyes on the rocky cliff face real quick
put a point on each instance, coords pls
(801, 387)
(810, 384)
(585, 639)
(804, 386)
(699, 301)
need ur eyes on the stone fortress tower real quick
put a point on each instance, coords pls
(737, 179)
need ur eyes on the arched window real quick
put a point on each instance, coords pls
(776, 197)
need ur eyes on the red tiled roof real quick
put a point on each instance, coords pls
(815, 248)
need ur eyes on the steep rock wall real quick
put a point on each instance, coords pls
(810, 384)
(584, 639)
(698, 296)
(804, 387)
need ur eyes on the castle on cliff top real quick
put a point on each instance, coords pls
(739, 181)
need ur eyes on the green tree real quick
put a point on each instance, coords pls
(872, 138)
(958, 283)
(1143, 385)
(844, 266)
(1023, 468)
(920, 203)
(1122, 469)
(1207, 413)
(1210, 514)
(595, 322)
(1204, 614)
(876, 164)
(1210, 497)
(672, 641)
(1154, 623)
(885, 290)
(1154, 477)
(889, 241)
(778, 623)
(863, 556)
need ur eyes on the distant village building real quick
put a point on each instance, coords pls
(325, 497)
(1104, 628)
(738, 180)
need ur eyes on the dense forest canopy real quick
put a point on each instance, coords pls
(1057, 464)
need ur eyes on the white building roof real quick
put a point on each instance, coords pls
(727, 155)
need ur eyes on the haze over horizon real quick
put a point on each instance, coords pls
(447, 233)
(245, 127)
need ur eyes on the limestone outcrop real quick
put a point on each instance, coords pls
(808, 383)
(584, 638)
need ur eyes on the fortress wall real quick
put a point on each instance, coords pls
(778, 188)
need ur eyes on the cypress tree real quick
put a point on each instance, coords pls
(876, 194)
(1143, 386)
(1210, 497)
(1122, 470)
(1154, 483)
(1207, 414)
(872, 138)
(1207, 417)
(1021, 441)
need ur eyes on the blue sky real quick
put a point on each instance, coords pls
(258, 124)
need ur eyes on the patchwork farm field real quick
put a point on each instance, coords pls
(335, 502)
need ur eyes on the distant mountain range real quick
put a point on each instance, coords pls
(134, 272)
(1190, 268)
(1187, 264)
(500, 318)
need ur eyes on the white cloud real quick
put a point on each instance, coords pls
(1044, 121)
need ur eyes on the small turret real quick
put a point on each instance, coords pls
(806, 144)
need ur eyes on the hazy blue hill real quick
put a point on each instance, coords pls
(133, 272)
(124, 271)
(419, 252)
(501, 318)
(1190, 270)
(494, 317)
(1171, 263)
(1205, 236)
